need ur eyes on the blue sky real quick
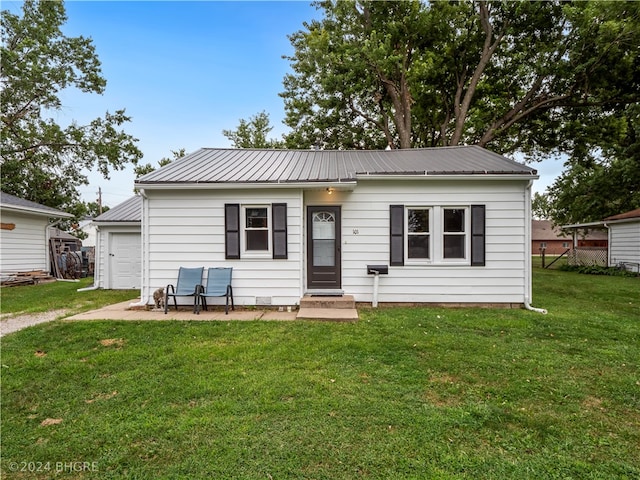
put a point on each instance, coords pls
(184, 71)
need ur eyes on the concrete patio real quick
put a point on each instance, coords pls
(124, 311)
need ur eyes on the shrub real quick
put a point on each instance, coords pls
(597, 270)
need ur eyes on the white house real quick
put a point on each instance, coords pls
(24, 236)
(624, 239)
(451, 225)
(118, 246)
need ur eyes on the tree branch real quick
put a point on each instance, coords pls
(488, 49)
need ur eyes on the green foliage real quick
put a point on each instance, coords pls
(597, 270)
(602, 175)
(141, 170)
(403, 393)
(253, 133)
(541, 207)
(506, 75)
(43, 161)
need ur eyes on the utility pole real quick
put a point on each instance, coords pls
(100, 200)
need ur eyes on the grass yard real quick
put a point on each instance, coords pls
(60, 295)
(405, 393)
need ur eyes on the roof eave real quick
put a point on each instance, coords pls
(584, 225)
(117, 223)
(448, 176)
(623, 220)
(35, 211)
(344, 184)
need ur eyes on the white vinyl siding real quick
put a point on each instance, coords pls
(624, 242)
(25, 247)
(187, 228)
(365, 240)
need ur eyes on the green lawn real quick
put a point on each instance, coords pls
(60, 295)
(405, 393)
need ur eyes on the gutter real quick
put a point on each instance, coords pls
(337, 184)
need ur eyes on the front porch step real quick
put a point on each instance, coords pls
(343, 302)
(337, 308)
(328, 314)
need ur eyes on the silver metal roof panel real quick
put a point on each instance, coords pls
(128, 211)
(210, 165)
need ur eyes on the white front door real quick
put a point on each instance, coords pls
(125, 261)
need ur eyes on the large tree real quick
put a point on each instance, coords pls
(505, 75)
(43, 161)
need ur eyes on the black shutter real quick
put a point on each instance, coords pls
(396, 234)
(232, 230)
(279, 219)
(477, 235)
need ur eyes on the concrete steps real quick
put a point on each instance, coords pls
(332, 308)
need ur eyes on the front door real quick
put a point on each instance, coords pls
(323, 248)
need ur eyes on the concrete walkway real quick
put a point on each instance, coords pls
(124, 311)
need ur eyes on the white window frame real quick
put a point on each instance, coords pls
(466, 259)
(407, 235)
(243, 232)
(436, 235)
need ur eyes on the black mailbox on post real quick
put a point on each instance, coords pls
(377, 269)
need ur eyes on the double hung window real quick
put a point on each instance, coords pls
(256, 228)
(418, 233)
(433, 235)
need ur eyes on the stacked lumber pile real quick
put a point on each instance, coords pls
(25, 278)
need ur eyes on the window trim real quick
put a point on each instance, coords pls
(416, 260)
(243, 232)
(466, 259)
(436, 235)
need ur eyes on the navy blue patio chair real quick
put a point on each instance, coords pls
(189, 281)
(218, 285)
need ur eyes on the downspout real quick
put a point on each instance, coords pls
(527, 260)
(96, 266)
(143, 237)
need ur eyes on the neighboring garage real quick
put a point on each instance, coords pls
(118, 246)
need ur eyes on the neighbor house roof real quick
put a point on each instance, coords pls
(128, 211)
(11, 202)
(210, 165)
(633, 214)
(544, 230)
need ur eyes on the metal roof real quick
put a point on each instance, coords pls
(11, 202)
(128, 211)
(211, 165)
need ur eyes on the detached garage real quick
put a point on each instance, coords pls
(118, 246)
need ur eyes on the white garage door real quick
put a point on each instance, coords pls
(124, 261)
